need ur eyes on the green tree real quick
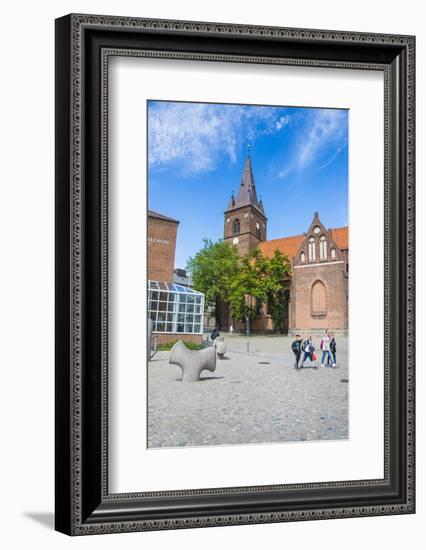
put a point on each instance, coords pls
(212, 270)
(279, 270)
(247, 285)
(260, 279)
(223, 276)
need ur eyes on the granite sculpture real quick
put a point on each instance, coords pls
(192, 362)
(220, 346)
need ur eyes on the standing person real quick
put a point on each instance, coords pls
(296, 346)
(325, 346)
(333, 348)
(308, 351)
(214, 334)
(231, 330)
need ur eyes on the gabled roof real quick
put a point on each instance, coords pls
(289, 246)
(152, 214)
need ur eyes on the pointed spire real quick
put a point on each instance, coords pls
(231, 202)
(247, 192)
(261, 204)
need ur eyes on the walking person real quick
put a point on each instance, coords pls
(332, 349)
(325, 347)
(296, 347)
(308, 349)
(231, 330)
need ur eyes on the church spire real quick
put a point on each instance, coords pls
(231, 202)
(245, 219)
(247, 192)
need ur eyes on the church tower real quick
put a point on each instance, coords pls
(245, 220)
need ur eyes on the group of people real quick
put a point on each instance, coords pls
(305, 349)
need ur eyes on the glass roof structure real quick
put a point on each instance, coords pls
(175, 308)
(171, 287)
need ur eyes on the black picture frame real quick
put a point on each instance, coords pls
(83, 45)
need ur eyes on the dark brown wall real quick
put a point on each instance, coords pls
(248, 217)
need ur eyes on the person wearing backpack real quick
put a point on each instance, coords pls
(308, 349)
(296, 347)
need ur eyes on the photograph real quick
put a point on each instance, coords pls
(247, 274)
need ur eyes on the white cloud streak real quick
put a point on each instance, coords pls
(195, 136)
(321, 138)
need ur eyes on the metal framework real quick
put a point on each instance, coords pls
(175, 308)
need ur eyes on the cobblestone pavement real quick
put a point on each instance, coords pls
(255, 397)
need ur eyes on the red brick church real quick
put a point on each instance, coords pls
(317, 291)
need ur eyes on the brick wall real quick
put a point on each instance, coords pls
(165, 338)
(161, 248)
(335, 314)
(248, 217)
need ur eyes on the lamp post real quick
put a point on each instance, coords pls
(248, 333)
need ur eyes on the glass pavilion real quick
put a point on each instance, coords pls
(175, 308)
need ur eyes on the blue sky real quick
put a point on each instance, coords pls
(196, 154)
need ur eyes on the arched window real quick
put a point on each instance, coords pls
(323, 247)
(311, 250)
(237, 227)
(302, 258)
(333, 253)
(318, 299)
(258, 230)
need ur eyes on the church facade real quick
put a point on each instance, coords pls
(317, 291)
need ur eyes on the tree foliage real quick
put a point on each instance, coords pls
(260, 278)
(279, 270)
(213, 268)
(247, 286)
(221, 274)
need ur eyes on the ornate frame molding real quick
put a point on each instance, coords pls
(75, 502)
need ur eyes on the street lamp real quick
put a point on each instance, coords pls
(248, 333)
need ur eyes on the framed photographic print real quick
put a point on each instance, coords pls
(234, 274)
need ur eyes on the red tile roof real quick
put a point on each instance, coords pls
(290, 245)
(341, 237)
(287, 246)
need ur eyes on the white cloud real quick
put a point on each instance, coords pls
(330, 159)
(283, 121)
(196, 136)
(320, 139)
(327, 128)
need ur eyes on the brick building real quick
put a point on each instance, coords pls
(162, 232)
(175, 309)
(245, 220)
(317, 291)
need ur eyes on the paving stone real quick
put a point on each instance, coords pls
(243, 402)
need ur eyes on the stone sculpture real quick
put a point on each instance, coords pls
(220, 346)
(192, 362)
